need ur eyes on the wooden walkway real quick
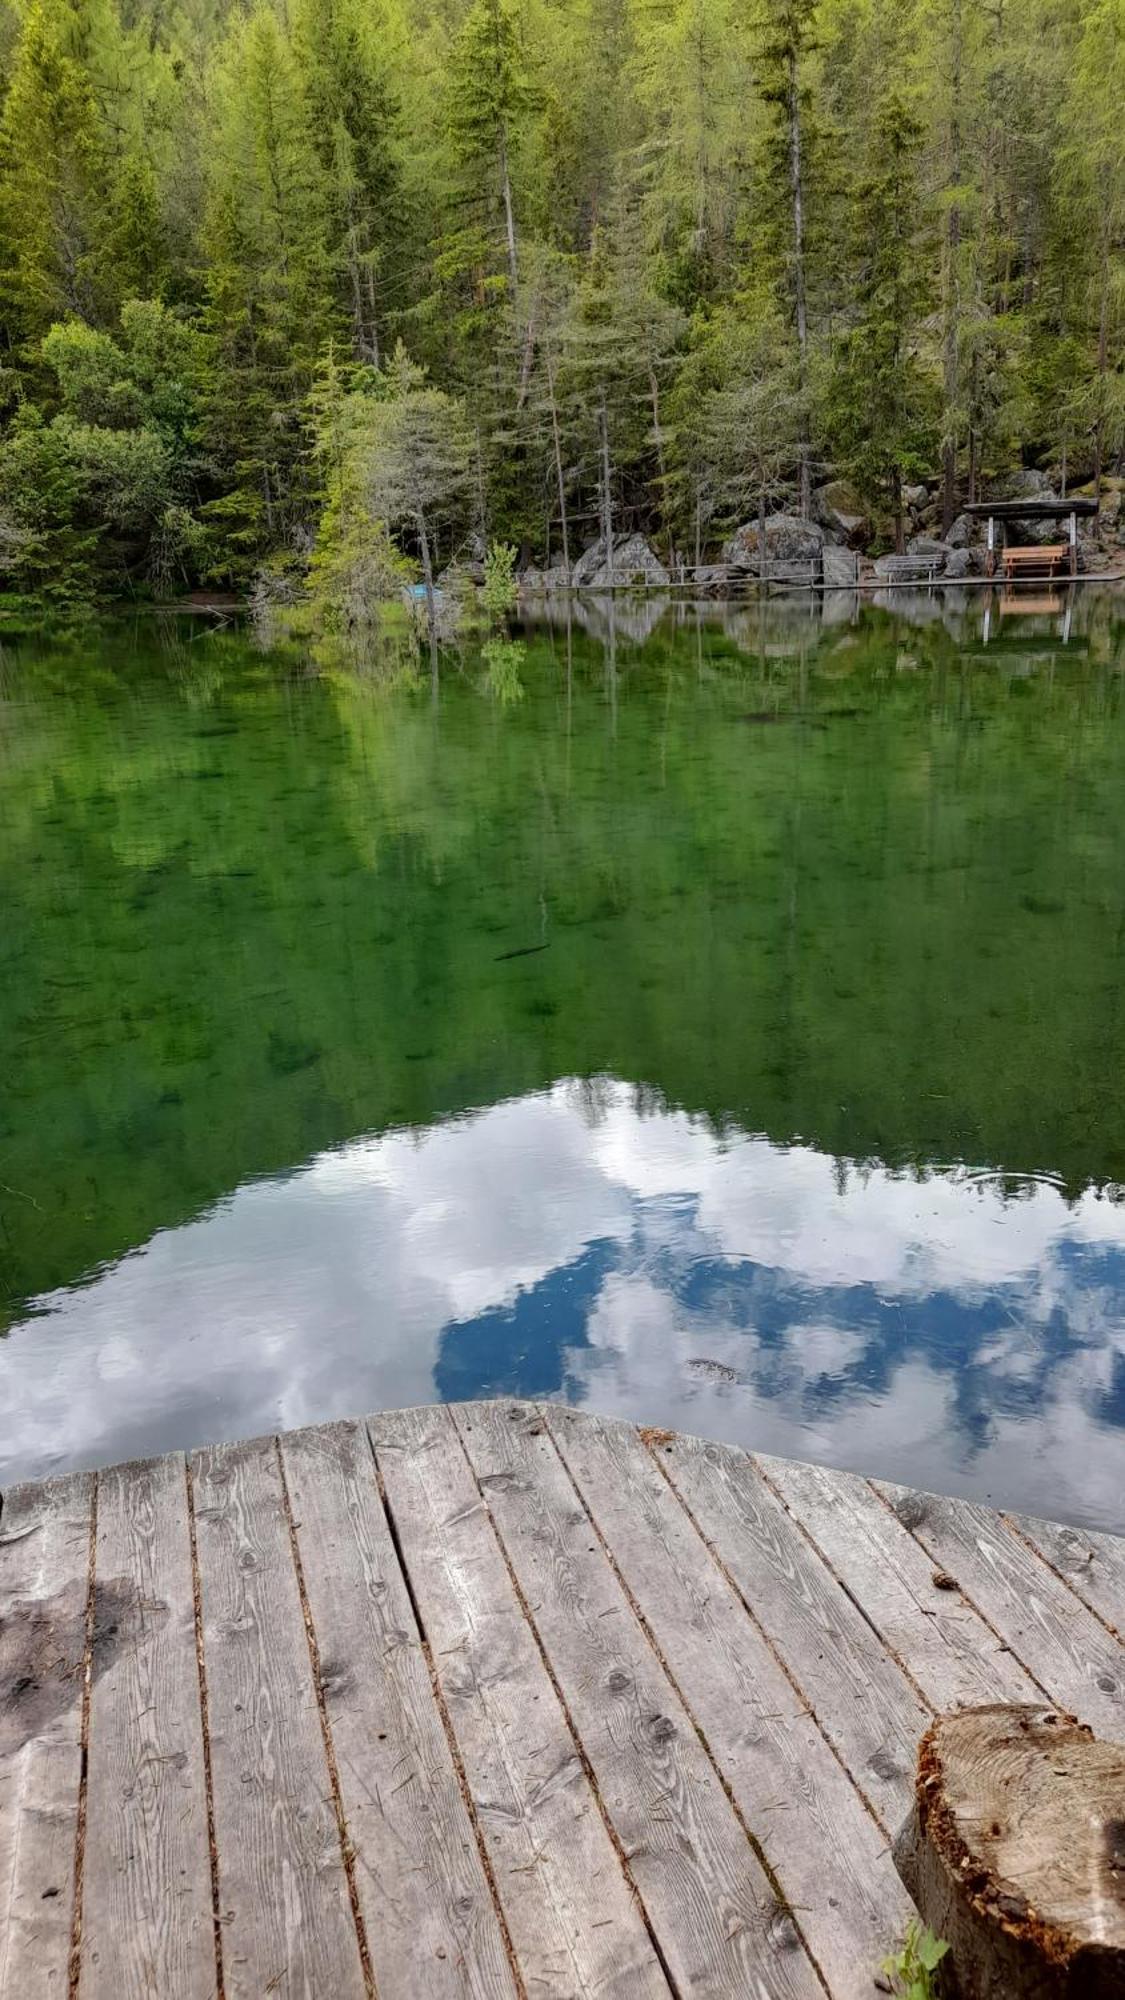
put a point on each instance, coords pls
(494, 1701)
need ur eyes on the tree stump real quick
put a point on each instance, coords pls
(1015, 1854)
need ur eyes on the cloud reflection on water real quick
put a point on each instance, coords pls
(954, 1330)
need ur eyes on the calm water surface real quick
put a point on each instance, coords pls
(716, 1021)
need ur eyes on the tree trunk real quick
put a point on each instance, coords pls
(557, 441)
(428, 580)
(1015, 1852)
(896, 502)
(606, 502)
(797, 196)
(509, 216)
(661, 465)
(951, 369)
(1103, 347)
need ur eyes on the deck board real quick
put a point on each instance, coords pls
(708, 1899)
(493, 1702)
(425, 1898)
(789, 1786)
(945, 1646)
(863, 1701)
(45, 1547)
(284, 1904)
(1077, 1662)
(573, 1923)
(146, 1907)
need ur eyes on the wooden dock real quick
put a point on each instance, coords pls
(492, 1701)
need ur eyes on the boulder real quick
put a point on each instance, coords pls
(927, 545)
(633, 563)
(712, 577)
(958, 563)
(840, 569)
(915, 496)
(787, 540)
(589, 562)
(960, 532)
(838, 508)
(1027, 484)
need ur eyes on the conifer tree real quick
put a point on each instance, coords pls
(881, 402)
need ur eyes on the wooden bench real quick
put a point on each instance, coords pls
(1043, 559)
(910, 569)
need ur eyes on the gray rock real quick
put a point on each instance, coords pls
(915, 496)
(927, 545)
(960, 532)
(1027, 484)
(633, 563)
(588, 562)
(714, 577)
(840, 568)
(959, 563)
(787, 540)
(838, 509)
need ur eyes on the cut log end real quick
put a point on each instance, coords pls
(1015, 1854)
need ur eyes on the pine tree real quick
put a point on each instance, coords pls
(881, 402)
(270, 306)
(353, 125)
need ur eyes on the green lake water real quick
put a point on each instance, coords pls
(715, 1019)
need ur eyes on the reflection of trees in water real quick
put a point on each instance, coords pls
(250, 928)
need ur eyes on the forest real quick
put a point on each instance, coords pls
(310, 297)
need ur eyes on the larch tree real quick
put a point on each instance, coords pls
(416, 450)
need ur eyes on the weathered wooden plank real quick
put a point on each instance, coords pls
(431, 1922)
(147, 1918)
(1093, 1564)
(45, 1534)
(710, 1904)
(574, 1925)
(862, 1700)
(285, 1910)
(943, 1643)
(1072, 1656)
(794, 1795)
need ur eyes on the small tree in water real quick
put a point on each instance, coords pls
(416, 455)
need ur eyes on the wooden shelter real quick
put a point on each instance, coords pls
(998, 513)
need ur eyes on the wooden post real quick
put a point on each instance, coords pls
(1015, 1851)
(1073, 544)
(990, 559)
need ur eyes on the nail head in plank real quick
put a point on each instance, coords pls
(945, 1646)
(574, 1925)
(429, 1914)
(147, 1919)
(863, 1701)
(284, 1903)
(1072, 1656)
(45, 1536)
(794, 1795)
(710, 1903)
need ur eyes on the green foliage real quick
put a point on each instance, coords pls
(911, 1969)
(500, 593)
(665, 261)
(880, 402)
